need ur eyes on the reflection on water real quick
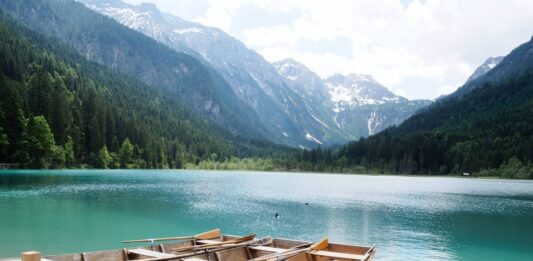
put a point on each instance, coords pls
(406, 217)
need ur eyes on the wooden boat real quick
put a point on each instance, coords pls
(213, 246)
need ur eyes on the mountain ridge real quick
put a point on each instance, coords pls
(132, 53)
(357, 104)
(86, 110)
(250, 76)
(483, 126)
(292, 113)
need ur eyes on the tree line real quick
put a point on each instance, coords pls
(59, 110)
(488, 132)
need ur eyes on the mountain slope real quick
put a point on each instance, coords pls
(91, 111)
(514, 64)
(488, 65)
(255, 81)
(107, 42)
(365, 107)
(356, 104)
(484, 124)
(310, 88)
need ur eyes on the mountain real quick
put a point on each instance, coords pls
(103, 40)
(57, 109)
(356, 104)
(310, 88)
(516, 63)
(488, 65)
(365, 107)
(205, 69)
(484, 125)
(356, 90)
(256, 83)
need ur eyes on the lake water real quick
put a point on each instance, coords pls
(414, 218)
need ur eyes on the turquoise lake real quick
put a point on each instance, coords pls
(414, 218)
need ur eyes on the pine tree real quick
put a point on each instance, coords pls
(126, 153)
(103, 159)
(60, 114)
(39, 90)
(3, 137)
(39, 141)
(70, 158)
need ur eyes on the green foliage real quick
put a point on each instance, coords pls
(482, 130)
(513, 168)
(39, 141)
(489, 130)
(126, 154)
(58, 157)
(88, 107)
(3, 137)
(236, 164)
(103, 159)
(70, 158)
(181, 78)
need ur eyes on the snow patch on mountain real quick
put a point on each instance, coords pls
(487, 66)
(358, 104)
(310, 137)
(319, 121)
(357, 90)
(372, 123)
(334, 110)
(188, 30)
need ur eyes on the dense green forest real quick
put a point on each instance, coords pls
(59, 110)
(487, 132)
(105, 41)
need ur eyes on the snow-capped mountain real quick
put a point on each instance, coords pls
(309, 82)
(313, 93)
(254, 80)
(357, 104)
(488, 65)
(356, 90)
(293, 105)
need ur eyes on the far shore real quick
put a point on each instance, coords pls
(279, 171)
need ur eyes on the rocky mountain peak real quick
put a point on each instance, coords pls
(306, 106)
(294, 70)
(357, 89)
(488, 65)
(361, 78)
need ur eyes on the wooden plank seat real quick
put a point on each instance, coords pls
(207, 241)
(337, 255)
(268, 249)
(149, 253)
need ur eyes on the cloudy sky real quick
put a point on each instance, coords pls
(417, 48)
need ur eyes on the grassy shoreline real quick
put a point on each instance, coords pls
(295, 172)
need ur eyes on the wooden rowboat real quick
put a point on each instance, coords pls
(213, 246)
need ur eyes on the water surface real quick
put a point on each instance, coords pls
(415, 218)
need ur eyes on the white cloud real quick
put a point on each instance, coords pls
(400, 92)
(220, 13)
(419, 48)
(446, 89)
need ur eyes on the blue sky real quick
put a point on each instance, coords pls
(417, 48)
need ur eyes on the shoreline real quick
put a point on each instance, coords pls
(277, 171)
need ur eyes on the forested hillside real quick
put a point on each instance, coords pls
(103, 40)
(59, 110)
(486, 129)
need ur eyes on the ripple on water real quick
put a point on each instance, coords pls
(407, 217)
